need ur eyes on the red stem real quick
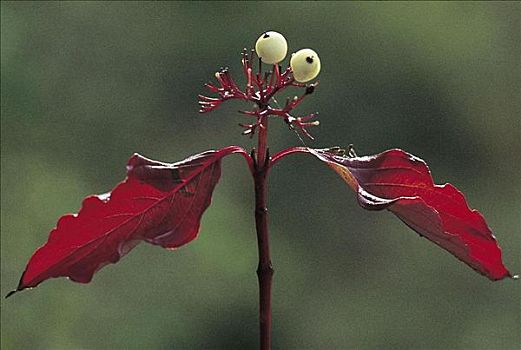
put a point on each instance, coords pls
(287, 152)
(259, 91)
(264, 270)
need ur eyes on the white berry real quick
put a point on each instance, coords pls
(305, 65)
(271, 47)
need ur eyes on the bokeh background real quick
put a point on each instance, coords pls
(86, 84)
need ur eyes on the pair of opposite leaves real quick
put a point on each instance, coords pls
(163, 203)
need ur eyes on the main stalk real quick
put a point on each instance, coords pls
(260, 89)
(264, 270)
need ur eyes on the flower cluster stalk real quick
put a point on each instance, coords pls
(260, 89)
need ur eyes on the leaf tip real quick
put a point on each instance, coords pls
(21, 286)
(11, 293)
(505, 276)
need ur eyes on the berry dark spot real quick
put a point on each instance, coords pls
(310, 89)
(309, 59)
(266, 35)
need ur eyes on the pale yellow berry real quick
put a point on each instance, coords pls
(271, 47)
(305, 65)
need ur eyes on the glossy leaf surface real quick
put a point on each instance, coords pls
(402, 183)
(159, 203)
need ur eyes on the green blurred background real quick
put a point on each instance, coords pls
(86, 84)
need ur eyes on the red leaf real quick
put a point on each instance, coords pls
(158, 203)
(402, 183)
